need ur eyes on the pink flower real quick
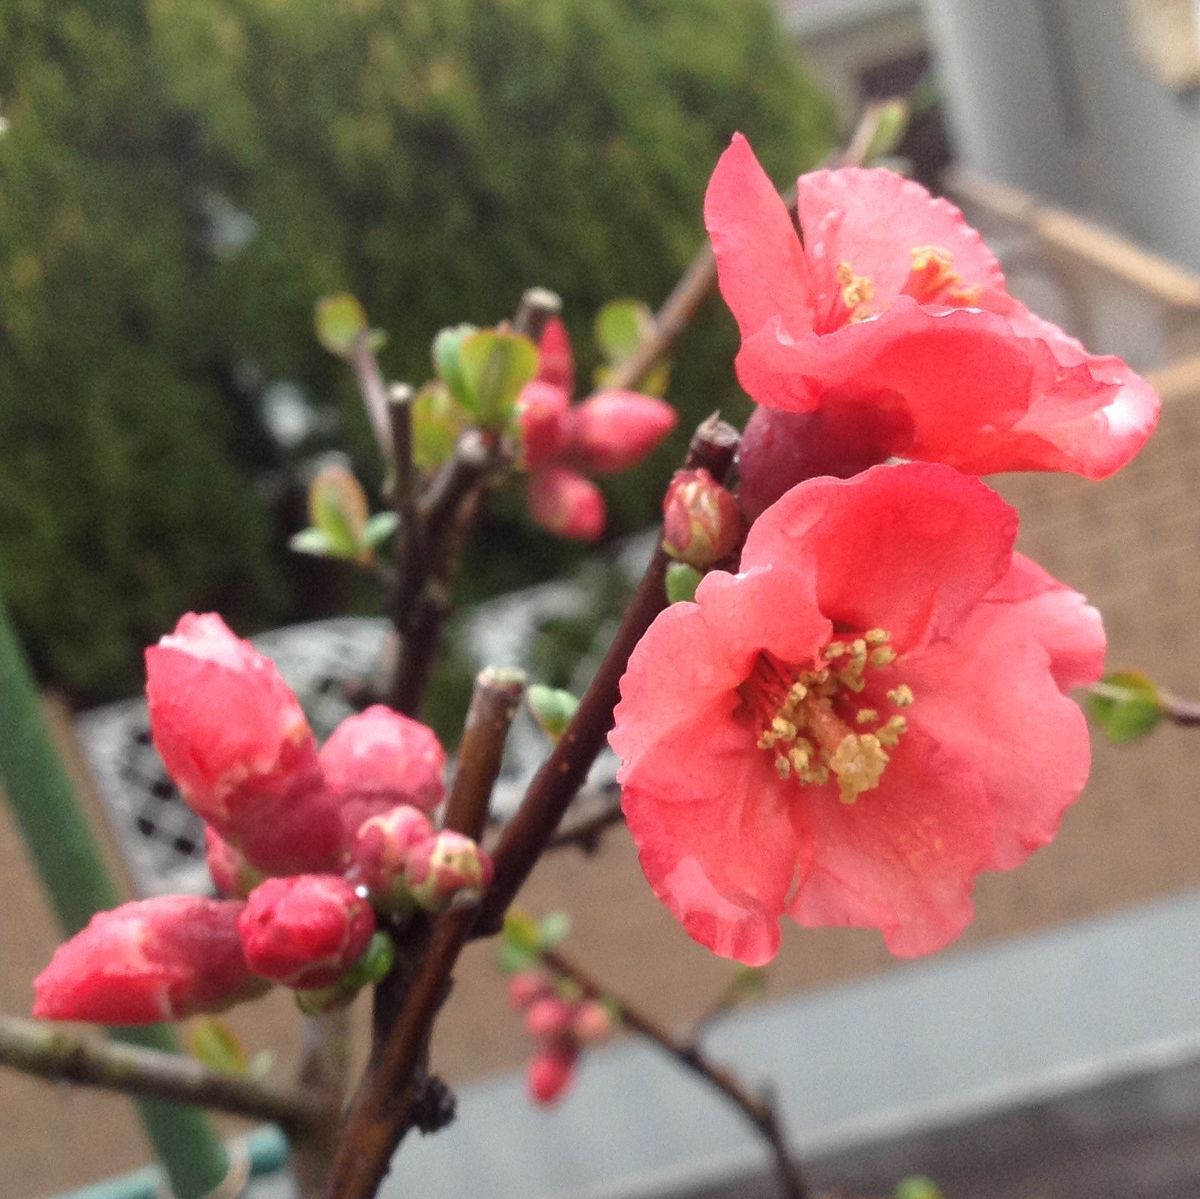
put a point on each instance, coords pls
(891, 320)
(234, 738)
(859, 722)
(305, 931)
(379, 759)
(381, 848)
(155, 959)
(563, 443)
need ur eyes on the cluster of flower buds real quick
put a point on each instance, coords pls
(564, 443)
(303, 846)
(560, 1026)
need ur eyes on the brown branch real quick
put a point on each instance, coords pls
(373, 390)
(60, 1054)
(526, 836)
(757, 1109)
(538, 306)
(324, 1067)
(388, 1099)
(1183, 712)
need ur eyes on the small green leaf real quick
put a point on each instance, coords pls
(446, 363)
(917, 1186)
(214, 1043)
(312, 541)
(512, 959)
(521, 931)
(890, 123)
(682, 581)
(1124, 705)
(495, 366)
(337, 505)
(621, 327)
(552, 708)
(437, 420)
(554, 929)
(380, 528)
(340, 320)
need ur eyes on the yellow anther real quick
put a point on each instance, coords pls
(892, 731)
(884, 655)
(835, 649)
(852, 680)
(866, 716)
(783, 766)
(796, 693)
(800, 756)
(859, 763)
(858, 648)
(876, 636)
(856, 289)
(901, 696)
(785, 729)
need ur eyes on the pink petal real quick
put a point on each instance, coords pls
(565, 503)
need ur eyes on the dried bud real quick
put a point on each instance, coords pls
(549, 1018)
(702, 522)
(381, 849)
(305, 931)
(446, 865)
(526, 986)
(156, 959)
(564, 502)
(549, 1075)
(379, 759)
(545, 422)
(616, 429)
(234, 738)
(592, 1022)
(232, 875)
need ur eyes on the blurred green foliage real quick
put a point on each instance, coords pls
(182, 180)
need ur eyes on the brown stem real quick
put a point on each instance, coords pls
(386, 1103)
(58, 1053)
(324, 1065)
(373, 390)
(404, 484)
(538, 306)
(526, 836)
(1184, 712)
(757, 1109)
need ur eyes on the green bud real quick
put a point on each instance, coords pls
(552, 709)
(340, 320)
(1124, 705)
(918, 1187)
(437, 420)
(682, 581)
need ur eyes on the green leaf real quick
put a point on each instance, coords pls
(437, 420)
(682, 581)
(521, 931)
(380, 528)
(337, 505)
(511, 959)
(554, 929)
(340, 320)
(552, 708)
(495, 366)
(621, 327)
(890, 123)
(917, 1186)
(446, 362)
(1124, 705)
(214, 1043)
(312, 541)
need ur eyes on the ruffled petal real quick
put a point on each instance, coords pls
(904, 857)
(760, 262)
(909, 548)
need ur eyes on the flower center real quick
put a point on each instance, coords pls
(932, 279)
(814, 723)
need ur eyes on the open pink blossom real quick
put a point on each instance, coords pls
(891, 321)
(235, 740)
(151, 960)
(564, 443)
(859, 722)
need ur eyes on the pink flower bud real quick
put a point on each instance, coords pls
(616, 429)
(232, 875)
(592, 1021)
(379, 759)
(155, 959)
(549, 1018)
(564, 502)
(526, 986)
(556, 363)
(549, 1075)
(305, 931)
(545, 422)
(444, 866)
(702, 522)
(234, 738)
(381, 850)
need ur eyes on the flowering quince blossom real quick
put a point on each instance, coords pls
(235, 740)
(891, 328)
(564, 442)
(151, 960)
(864, 718)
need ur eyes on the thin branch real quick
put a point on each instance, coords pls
(373, 390)
(538, 306)
(526, 836)
(404, 483)
(757, 1109)
(324, 1069)
(1183, 712)
(57, 1053)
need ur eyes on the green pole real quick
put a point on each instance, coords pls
(66, 856)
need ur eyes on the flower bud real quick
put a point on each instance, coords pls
(616, 429)
(443, 866)
(155, 959)
(379, 759)
(234, 738)
(592, 1021)
(702, 522)
(526, 986)
(549, 1018)
(381, 849)
(305, 931)
(564, 502)
(232, 875)
(556, 363)
(545, 422)
(549, 1075)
